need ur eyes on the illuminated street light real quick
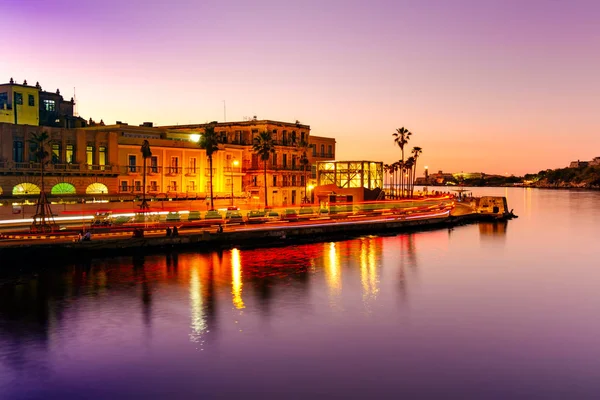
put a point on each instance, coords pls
(235, 163)
(194, 137)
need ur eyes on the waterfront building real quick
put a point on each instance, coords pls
(285, 173)
(104, 162)
(361, 180)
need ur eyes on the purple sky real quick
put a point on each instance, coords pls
(494, 86)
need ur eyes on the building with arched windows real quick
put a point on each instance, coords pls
(105, 162)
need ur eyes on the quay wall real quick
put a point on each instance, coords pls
(34, 253)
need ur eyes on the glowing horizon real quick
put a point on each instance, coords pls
(485, 86)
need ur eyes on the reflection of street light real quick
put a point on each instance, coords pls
(234, 162)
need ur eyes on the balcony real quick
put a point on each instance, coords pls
(191, 171)
(207, 172)
(232, 170)
(172, 171)
(33, 168)
(270, 167)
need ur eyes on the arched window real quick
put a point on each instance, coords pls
(97, 188)
(63, 188)
(26, 188)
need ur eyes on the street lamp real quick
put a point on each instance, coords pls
(310, 188)
(235, 163)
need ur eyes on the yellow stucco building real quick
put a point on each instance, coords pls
(19, 104)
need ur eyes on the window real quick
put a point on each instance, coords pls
(192, 168)
(3, 99)
(19, 98)
(293, 180)
(302, 135)
(322, 150)
(153, 186)
(314, 149)
(154, 164)
(284, 139)
(275, 160)
(285, 180)
(18, 151)
(293, 137)
(174, 165)
(191, 186)
(132, 162)
(137, 186)
(31, 100)
(293, 162)
(284, 160)
(32, 150)
(173, 186)
(49, 105)
(70, 154)
(56, 153)
(302, 180)
(89, 155)
(124, 186)
(254, 183)
(274, 180)
(102, 155)
(329, 151)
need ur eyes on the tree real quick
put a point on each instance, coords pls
(264, 146)
(408, 169)
(304, 148)
(42, 220)
(210, 143)
(416, 152)
(146, 154)
(387, 169)
(401, 137)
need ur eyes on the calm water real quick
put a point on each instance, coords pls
(487, 311)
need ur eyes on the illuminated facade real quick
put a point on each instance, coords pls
(285, 174)
(350, 174)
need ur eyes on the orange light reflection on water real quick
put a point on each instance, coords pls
(236, 279)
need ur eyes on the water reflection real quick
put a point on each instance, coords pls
(493, 230)
(368, 270)
(236, 279)
(333, 271)
(198, 323)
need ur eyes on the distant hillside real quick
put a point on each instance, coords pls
(581, 177)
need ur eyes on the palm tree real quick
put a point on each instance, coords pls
(304, 147)
(386, 169)
(408, 167)
(264, 146)
(416, 152)
(401, 137)
(42, 220)
(146, 154)
(210, 143)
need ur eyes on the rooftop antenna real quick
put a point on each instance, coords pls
(75, 114)
(224, 112)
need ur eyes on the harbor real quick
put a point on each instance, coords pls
(255, 229)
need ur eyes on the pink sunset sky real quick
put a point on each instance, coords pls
(485, 86)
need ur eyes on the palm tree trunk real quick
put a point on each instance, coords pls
(305, 185)
(144, 204)
(401, 173)
(210, 164)
(415, 172)
(266, 192)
